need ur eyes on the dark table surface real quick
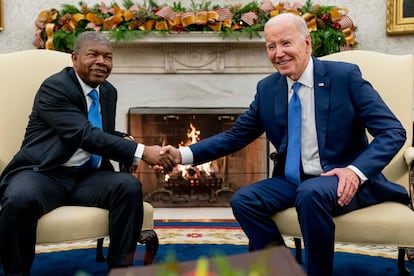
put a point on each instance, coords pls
(274, 261)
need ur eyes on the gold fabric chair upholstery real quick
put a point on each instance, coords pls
(21, 74)
(388, 223)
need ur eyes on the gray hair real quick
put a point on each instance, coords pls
(88, 36)
(297, 20)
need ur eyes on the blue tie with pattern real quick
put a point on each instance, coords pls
(94, 117)
(292, 166)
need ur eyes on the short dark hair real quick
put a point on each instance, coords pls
(87, 36)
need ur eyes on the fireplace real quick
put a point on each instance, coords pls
(202, 72)
(209, 184)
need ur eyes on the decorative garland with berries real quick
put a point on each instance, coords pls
(330, 28)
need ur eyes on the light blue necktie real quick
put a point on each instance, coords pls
(292, 166)
(94, 117)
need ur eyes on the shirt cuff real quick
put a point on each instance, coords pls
(362, 177)
(187, 157)
(138, 154)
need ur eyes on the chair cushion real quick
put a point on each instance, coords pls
(73, 223)
(388, 223)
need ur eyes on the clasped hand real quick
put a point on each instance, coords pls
(164, 159)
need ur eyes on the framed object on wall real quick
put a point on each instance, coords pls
(1, 15)
(400, 17)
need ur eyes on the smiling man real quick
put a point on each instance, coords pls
(65, 160)
(315, 113)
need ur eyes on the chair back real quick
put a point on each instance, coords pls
(393, 77)
(21, 74)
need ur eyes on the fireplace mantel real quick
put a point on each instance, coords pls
(187, 69)
(191, 53)
(196, 37)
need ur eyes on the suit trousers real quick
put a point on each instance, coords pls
(30, 194)
(315, 200)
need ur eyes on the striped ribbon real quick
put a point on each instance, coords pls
(250, 18)
(166, 13)
(224, 14)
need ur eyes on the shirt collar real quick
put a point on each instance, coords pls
(306, 78)
(86, 88)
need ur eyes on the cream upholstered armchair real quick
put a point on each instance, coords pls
(21, 74)
(388, 223)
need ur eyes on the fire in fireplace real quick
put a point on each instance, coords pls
(209, 184)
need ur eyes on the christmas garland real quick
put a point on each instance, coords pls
(330, 27)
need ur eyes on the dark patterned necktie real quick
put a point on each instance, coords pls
(292, 166)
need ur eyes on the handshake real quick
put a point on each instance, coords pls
(162, 158)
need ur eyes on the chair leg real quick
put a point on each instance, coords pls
(249, 246)
(100, 258)
(402, 269)
(298, 249)
(150, 239)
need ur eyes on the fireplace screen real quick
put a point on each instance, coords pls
(209, 184)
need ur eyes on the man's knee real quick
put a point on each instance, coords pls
(316, 191)
(238, 199)
(129, 184)
(19, 198)
(20, 206)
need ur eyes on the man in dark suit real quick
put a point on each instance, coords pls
(337, 170)
(54, 168)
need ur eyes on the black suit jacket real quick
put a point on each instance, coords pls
(58, 126)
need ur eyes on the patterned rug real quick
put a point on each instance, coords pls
(217, 232)
(190, 239)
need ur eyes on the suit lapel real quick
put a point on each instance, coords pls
(79, 96)
(105, 100)
(108, 106)
(280, 92)
(322, 85)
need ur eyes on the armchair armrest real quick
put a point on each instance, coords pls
(409, 156)
(411, 185)
(274, 156)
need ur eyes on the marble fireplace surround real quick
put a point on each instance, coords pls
(187, 70)
(191, 71)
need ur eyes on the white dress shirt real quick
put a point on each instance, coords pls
(309, 143)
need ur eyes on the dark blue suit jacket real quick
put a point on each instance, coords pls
(346, 106)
